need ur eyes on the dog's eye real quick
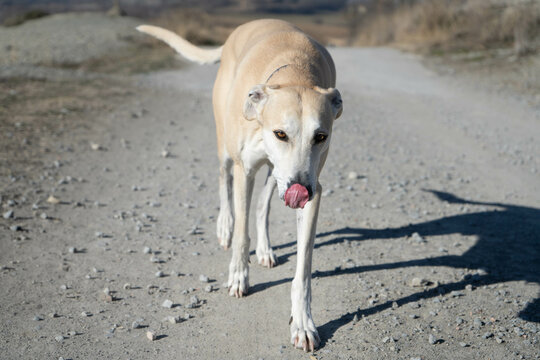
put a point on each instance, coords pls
(281, 135)
(320, 137)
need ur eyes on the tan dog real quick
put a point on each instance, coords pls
(274, 103)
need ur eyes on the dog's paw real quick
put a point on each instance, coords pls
(266, 258)
(238, 280)
(225, 223)
(304, 334)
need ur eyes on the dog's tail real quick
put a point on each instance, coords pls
(182, 46)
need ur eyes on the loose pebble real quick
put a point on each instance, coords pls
(208, 288)
(432, 339)
(167, 304)
(419, 282)
(59, 338)
(8, 214)
(53, 200)
(173, 319)
(353, 175)
(159, 274)
(147, 250)
(203, 278)
(150, 335)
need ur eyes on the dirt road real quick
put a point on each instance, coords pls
(428, 239)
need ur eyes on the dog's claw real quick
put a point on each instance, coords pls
(223, 244)
(237, 293)
(267, 258)
(305, 338)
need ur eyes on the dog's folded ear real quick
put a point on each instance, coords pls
(334, 97)
(255, 101)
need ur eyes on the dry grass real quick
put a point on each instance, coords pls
(454, 25)
(204, 28)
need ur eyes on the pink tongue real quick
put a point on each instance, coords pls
(296, 196)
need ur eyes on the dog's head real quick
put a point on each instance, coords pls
(296, 128)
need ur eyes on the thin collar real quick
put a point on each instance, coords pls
(275, 71)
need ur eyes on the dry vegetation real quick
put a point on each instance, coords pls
(208, 28)
(448, 25)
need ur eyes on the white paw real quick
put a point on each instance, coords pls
(266, 258)
(238, 279)
(304, 334)
(225, 223)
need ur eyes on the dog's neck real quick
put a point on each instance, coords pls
(292, 75)
(275, 71)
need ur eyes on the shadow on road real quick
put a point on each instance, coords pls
(508, 247)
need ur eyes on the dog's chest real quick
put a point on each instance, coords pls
(253, 153)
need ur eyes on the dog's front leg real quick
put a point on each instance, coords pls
(303, 331)
(238, 269)
(265, 254)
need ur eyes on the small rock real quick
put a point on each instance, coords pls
(187, 316)
(416, 237)
(353, 175)
(463, 344)
(173, 319)
(15, 228)
(135, 325)
(159, 274)
(8, 214)
(419, 282)
(203, 278)
(95, 146)
(167, 304)
(209, 288)
(72, 250)
(194, 300)
(487, 335)
(86, 314)
(127, 286)
(165, 154)
(150, 335)
(43, 216)
(38, 318)
(456, 293)
(147, 250)
(478, 322)
(59, 338)
(432, 339)
(499, 340)
(53, 200)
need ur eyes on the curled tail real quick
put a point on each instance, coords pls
(182, 46)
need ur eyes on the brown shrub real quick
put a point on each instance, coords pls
(453, 25)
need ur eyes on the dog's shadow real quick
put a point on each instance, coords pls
(508, 247)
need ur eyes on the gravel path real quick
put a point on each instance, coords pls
(428, 237)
